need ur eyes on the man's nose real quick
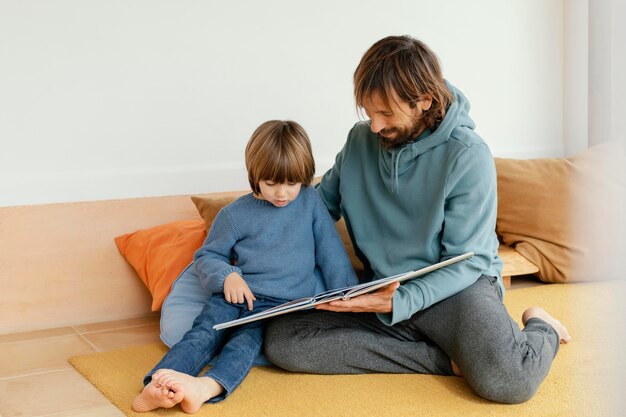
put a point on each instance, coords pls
(377, 124)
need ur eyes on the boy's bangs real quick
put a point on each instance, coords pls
(285, 168)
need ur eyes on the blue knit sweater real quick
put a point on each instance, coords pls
(280, 252)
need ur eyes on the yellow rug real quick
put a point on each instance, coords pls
(587, 377)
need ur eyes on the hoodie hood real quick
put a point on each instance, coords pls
(394, 162)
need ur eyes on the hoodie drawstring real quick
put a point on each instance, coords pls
(394, 170)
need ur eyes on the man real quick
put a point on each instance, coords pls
(416, 185)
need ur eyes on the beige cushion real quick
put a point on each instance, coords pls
(565, 215)
(209, 206)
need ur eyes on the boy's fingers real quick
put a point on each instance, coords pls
(249, 299)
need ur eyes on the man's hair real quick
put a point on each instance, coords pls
(279, 151)
(407, 66)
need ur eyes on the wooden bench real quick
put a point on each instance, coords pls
(514, 264)
(58, 252)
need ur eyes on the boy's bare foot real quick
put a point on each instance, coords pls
(564, 336)
(156, 396)
(198, 390)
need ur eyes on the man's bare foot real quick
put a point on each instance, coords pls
(455, 368)
(156, 396)
(198, 390)
(564, 336)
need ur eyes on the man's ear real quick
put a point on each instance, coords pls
(425, 102)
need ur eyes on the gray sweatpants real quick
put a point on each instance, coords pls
(498, 360)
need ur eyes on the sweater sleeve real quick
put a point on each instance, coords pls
(212, 262)
(330, 255)
(469, 226)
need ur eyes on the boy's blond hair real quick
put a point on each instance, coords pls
(279, 151)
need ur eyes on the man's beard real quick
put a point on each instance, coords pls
(402, 136)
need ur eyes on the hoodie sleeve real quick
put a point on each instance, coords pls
(469, 226)
(212, 262)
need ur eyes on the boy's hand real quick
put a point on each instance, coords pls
(236, 290)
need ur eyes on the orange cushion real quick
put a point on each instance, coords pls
(159, 254)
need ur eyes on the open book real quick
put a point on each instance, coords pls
(344, 293)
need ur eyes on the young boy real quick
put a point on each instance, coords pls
(280, 238)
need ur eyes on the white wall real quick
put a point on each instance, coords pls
(119, 98)
(618, 70)
(600, 71)
(594, 105)
(576, 76)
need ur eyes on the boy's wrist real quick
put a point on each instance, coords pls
(225, 273)
(231, 276)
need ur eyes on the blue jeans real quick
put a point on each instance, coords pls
(237, 346)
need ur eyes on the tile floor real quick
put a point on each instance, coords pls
(36, 380)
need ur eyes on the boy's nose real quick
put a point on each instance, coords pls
(281, 191)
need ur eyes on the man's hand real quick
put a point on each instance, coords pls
(380, 301)
(236, 290)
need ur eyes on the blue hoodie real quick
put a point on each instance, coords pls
(418, 204)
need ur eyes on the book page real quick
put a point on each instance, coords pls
(344, 293)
